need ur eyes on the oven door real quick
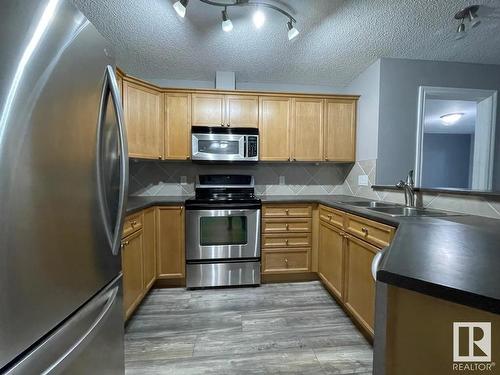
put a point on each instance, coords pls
(217, 147)
(222, 234)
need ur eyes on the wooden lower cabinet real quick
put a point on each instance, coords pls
(286, 260)
(331, 258)
(132, 266)
(149, 248)
(170, 235)
(359, 295)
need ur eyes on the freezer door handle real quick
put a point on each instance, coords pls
(110, 87)
(66, 343)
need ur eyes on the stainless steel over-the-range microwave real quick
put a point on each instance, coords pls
(225, 144)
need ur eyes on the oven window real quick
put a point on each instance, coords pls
(228, 230)
(219, 147)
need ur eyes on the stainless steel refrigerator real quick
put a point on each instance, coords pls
(63, 188)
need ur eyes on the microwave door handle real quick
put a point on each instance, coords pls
(245, 151)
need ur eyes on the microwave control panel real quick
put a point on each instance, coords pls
(252, 146)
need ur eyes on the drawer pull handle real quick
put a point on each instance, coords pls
(364, 230)
(124, 243)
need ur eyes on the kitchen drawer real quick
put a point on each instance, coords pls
(286, 240)
(292, 210)
(377, 234)
(286, 261)
(132, 224)
(295, 225)
(331, 216)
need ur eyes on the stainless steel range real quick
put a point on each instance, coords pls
(223, 232)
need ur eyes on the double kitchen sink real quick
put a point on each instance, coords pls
(394, 210)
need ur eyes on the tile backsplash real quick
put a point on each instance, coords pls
(178, 178)
(151, 178)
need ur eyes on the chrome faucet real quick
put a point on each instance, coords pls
(409, 190)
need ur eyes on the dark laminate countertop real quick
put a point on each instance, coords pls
(456, 258)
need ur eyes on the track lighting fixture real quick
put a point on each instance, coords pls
(227, 25)
(180, 7)
(470, 14)
(259, 17)
(292, 31)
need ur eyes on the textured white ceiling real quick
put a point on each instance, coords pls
(435, 108)
(338, 39)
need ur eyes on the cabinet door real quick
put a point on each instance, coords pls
(274, 128)
(177, 126)
(242, 111)
(307, 129)
(143, 110)
(170, 234)
(359, 294)
(149, 248)
(340, 130)
(208, 110)
(132, 272)
(331, 258)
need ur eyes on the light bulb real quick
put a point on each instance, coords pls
(180, 7)
(227, 25)
(292, 31)
(258, 19)
(451, 118)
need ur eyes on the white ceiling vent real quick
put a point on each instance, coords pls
(225, 81)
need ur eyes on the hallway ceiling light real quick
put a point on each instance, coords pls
(451, 118)
(227, 25)
(180, 7)
(259, 18)
(292, 31)
(470, 14)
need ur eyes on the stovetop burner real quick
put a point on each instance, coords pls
(228, 190)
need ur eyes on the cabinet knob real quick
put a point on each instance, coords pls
(160, 157)
(326, 159)
(286, 262)
(286, 242)
(188, 157)
(364, 230)
(294, 159)
(221, 124)
(289, 159)
(287, 211)
(286, 226)
(228, 125)
(133, 223)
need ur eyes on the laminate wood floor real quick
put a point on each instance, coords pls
(295, 328)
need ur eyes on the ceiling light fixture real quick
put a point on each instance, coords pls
(259, 18)
(292, 31)
(180, 7)
(451, 118)
(470, 14)
(227, 25)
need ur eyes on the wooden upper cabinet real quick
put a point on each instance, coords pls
(274, 128)
(340, 130)
(226, 110)
(177, 126)
(242, 111)
(208, 110)
(143, 110)
(307, 129)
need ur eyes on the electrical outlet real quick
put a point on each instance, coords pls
(363, 180)
(183, 180)
(282, 180)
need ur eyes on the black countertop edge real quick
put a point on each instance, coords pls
(440, 291)
(452, 191)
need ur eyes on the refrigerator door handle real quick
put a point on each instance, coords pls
(68, 339)
(110, 87)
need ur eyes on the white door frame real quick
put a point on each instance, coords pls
(459, 94)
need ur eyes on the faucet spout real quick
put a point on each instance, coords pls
(408, 187)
